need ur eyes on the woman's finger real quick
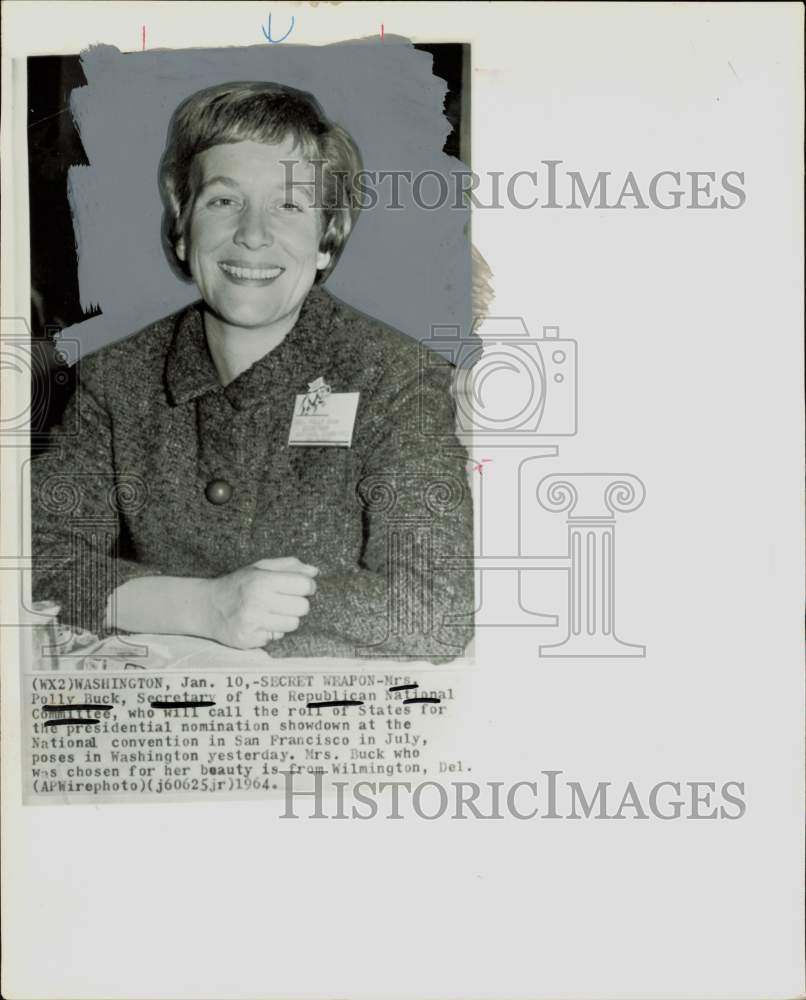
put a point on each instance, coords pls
(284, 604)
(291, 584)
(280, 623)
(286, 564)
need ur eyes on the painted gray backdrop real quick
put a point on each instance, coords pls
(410, 268)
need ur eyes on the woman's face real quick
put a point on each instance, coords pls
(252, 240)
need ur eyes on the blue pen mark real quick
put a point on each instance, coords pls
(275, 41)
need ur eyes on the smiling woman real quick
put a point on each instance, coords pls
(268, 467)
(252, 243)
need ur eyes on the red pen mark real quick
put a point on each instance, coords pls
(381, 30)
(144, 38)
(479, 466)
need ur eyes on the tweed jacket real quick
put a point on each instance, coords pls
(122, 491)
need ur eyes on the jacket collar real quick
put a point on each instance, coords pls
(190, 371)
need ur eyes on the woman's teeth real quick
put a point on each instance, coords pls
(253, 273)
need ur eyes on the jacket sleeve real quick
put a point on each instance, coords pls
(403, 601)
(77, 502)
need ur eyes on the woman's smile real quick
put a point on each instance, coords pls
(250, 274)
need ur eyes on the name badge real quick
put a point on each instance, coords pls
(323, 418)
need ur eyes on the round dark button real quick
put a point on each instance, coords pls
(218, 491)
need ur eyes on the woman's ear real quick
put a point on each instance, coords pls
(324, 257)
(179, 249)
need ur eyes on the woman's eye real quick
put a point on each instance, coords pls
(221, 202)
(290, 206)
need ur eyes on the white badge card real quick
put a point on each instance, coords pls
(324, 419)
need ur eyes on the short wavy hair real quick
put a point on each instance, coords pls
(259, 112)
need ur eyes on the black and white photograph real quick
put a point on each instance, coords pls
(402, 550)
(267, 467)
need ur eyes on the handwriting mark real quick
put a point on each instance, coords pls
(72, 722)
(275, 41)
(334, 704)
(182, 704)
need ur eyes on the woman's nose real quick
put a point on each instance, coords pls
(254, 229)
